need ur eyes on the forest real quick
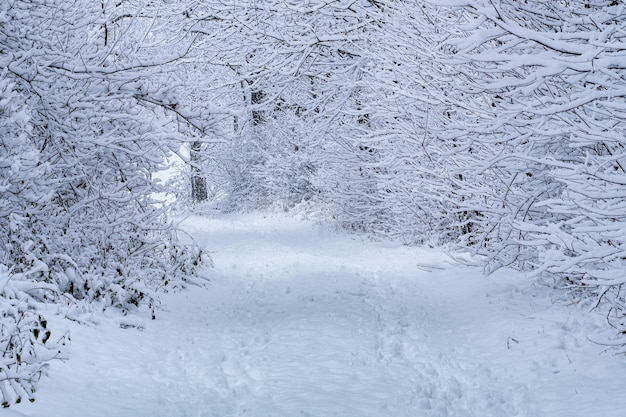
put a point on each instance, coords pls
(490, 127)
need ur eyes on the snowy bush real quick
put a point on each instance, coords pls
(26, 341)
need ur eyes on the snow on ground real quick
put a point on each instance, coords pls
(298, 321)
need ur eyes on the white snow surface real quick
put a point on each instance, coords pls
(300, 321)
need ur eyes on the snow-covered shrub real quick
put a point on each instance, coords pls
(26, 341)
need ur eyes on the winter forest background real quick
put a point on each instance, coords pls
(495, 127)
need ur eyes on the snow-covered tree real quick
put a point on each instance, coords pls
(544, 151)
(86, 119)
(400, 92)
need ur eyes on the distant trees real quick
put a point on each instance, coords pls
(339, 105)
(292, 73)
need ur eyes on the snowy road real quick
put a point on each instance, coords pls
(302, 322)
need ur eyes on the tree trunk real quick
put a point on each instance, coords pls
(198, 182)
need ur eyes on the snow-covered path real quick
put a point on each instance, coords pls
(314, 327)
(301, 322)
